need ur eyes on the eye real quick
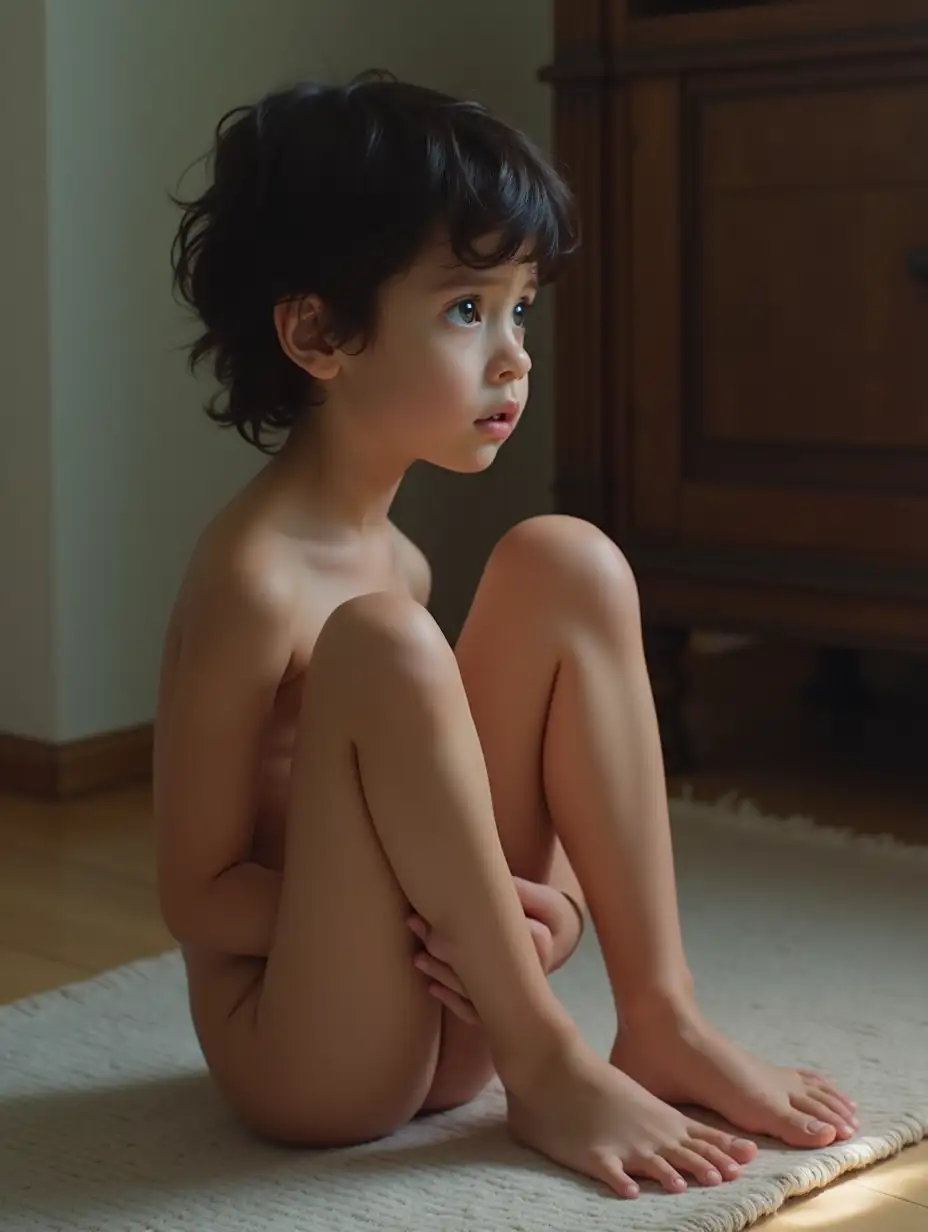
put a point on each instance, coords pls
(520, 312)
(464, 312)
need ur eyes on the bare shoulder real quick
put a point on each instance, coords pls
(414, 566)
(238, 578)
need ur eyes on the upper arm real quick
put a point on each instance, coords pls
(234, 649)
(414, 566)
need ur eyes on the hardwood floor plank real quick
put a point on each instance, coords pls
(847, 1207)
(78, 915)
(905, 1177)
(23, 974)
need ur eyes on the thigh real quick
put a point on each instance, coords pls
(336, 1040)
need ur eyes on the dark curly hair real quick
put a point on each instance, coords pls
(332, 191)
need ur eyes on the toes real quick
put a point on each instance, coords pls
(696, 1164)
(838, 1106)
(820, 1111)
(819, 1080)
(724, 1163)
(742, 1150)
(802, 1130)
(608, 1169)
(664, 1173)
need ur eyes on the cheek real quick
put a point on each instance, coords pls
(443, 375)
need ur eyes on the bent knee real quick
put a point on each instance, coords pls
(385, 634)
(383, 618)
(567, 558)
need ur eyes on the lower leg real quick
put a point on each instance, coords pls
(569, 591)
(424, 779)
(425, 784)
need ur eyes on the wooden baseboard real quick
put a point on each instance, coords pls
(61, 771)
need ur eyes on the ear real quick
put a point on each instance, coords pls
(300, 326)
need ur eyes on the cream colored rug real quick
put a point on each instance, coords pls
(808, 946)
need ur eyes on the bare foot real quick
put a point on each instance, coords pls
(680, 1057)
(584, 1114)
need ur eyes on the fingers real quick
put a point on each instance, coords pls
(417, 925)
(444, 985)
(537, 898)
(440, 972)
(458, 1005)
(544, 943)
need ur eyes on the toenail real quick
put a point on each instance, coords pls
(713, 1177)
(816, 1127)
(731, 1169)
(847, 1130)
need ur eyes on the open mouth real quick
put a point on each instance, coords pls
(507, 416)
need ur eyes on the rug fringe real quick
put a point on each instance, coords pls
(809, 1176)
(735, 809)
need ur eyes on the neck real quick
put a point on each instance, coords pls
(340, 481)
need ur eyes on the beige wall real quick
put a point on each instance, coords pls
(27, 668)
(114, 468)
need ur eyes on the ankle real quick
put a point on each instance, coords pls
(552, 1045)
(670, 1003)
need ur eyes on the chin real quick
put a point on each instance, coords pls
(471, 463)
(477, 462)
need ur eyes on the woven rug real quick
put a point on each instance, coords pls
(808, 945)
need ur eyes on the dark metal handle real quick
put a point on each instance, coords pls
(916, 262)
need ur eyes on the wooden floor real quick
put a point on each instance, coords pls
(77, 879)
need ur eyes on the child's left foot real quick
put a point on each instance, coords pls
(683, 1059)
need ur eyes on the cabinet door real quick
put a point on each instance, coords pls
(778, 374)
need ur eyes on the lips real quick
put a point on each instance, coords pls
(504, 414)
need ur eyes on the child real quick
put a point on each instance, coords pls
(373, 847)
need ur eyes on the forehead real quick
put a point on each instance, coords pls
(437, 268)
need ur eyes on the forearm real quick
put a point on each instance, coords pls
(233, 914)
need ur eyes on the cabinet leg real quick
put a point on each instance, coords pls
(665, 649)
(837, 681)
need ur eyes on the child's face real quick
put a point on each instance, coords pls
(448, 353)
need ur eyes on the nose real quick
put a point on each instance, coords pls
(511, 362)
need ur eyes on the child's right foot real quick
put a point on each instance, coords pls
(583, 1113)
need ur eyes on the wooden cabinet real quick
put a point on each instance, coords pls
(742, 342)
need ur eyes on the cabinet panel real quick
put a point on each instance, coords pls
(812, 328)
(654, 327)
(804, 331)
(858, 526)
(840, 129)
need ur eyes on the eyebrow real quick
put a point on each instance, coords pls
(465, 275)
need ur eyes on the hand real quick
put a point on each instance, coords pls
(553, 921)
